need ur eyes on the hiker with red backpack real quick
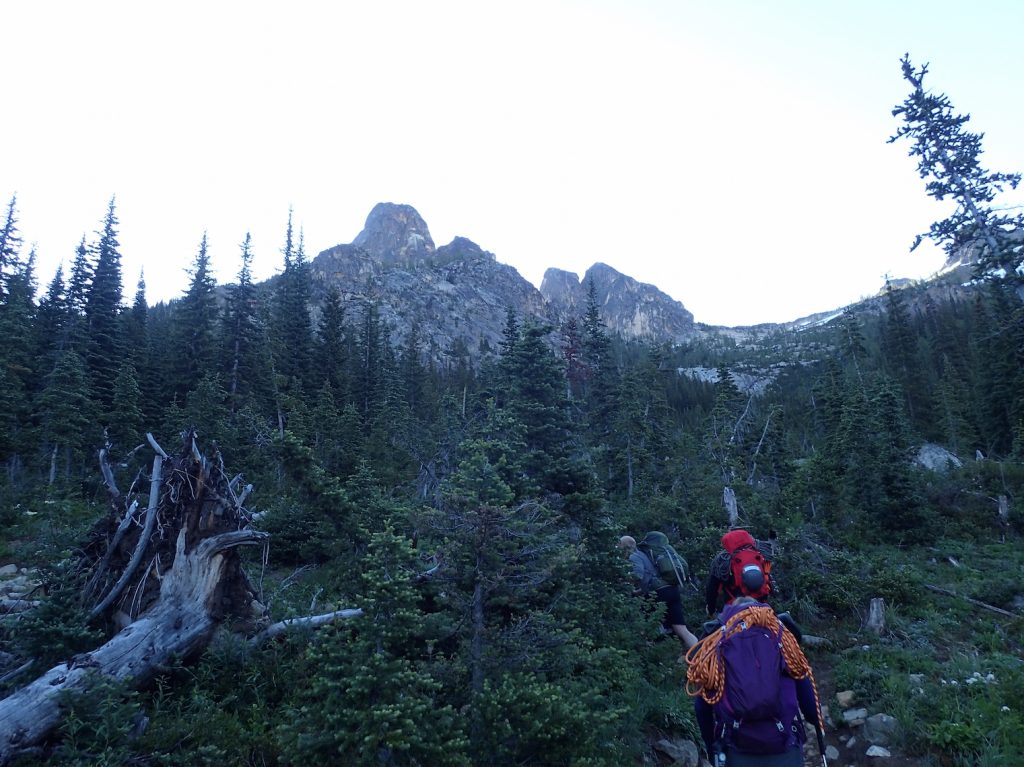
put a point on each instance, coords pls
(751, 682)
(742, 568)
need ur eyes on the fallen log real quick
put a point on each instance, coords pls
(309, 621)
(977, 602)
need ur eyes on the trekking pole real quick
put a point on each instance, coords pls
(821, 746)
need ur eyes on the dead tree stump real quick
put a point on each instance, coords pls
(876, 616)
(163, 579)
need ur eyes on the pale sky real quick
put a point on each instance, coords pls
(733, 153)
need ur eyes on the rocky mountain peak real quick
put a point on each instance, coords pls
(631, 308)
(395, 235)
(563, 290)
(457, 295)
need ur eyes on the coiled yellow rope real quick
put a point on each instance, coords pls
(705, 674)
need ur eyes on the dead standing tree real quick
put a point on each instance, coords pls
(166, 576)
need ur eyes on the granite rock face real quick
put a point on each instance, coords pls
(395, 235)
(633, 309)
(457, 296)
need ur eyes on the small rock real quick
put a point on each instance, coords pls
(12, 584)
(831, 753)
(682, 752)
(851, 743)
(917, 679)
(881, 729)
(845, 698)
(8, 570)
(878, 751)
(855, 716)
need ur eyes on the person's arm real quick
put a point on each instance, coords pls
(808, 701)
(711, 588)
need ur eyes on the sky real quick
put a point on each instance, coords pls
(732, 153)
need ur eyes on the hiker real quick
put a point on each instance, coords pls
(751, 682)
(742, 568)
(646, 578)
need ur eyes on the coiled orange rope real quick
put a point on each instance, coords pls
(705, 674)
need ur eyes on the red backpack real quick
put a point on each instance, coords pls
(750, 567)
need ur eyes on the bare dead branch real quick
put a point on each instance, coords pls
(993, 608)
(108, 475)
(140, 547)
(312, 621)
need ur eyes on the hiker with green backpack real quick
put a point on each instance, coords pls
(658, 569)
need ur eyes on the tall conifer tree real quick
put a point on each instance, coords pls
(197, 324)
(949, 157)
(104, 342)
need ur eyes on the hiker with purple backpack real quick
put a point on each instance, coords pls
(751, 682)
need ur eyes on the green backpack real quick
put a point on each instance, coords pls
(671, 568)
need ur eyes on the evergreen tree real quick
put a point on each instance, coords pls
(246, 352)
(369, 364)
(333, 353)
(902, 361)
(851, 342)
(601, 375)
(638, 434)
(65, 413)
(10, 241)
(949, 157)
(197, 324)
(727, 426)
(1000, 350)
(53, 317)
(139, 353)
(572, 355)
(78, 295)
(292, 324)
(372, 698)
(104, 347)
(19, 356)
(536, 398)
(126, 427)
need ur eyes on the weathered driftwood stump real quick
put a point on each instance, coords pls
(163, 578)
(876, 615)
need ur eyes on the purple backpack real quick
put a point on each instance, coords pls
(759, 713)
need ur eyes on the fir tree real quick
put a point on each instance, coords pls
(65, 413)
(246, 353)
(19, 355)
(53, 318)
(293, 328)
(126, 427)
(949, 157)
(197, 324)
(105, 349)
(10, 241)
(78, 295)
(372, 698)
(536, 398)
(333, 352)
